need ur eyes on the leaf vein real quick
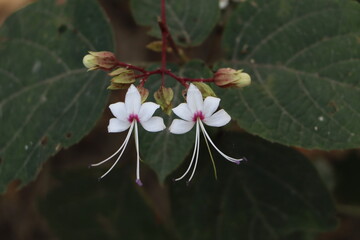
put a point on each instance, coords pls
(307, 93)
(313, 45)
(54, 123)
(282, 28)
(179, 23)
(45, 49)
(37, 84)
(279, 105)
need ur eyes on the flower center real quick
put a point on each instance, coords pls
(133, 117)
(198, 115)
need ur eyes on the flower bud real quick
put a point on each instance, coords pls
(144, 93)
(123, 76)
(164, 97)
(204, 89)
(95, 60)
(228, 77)
(117, 86)
(156, 46)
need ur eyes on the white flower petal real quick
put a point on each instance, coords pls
(119, 111)
(194, 99)
(154, 124)
(183, 112)
(147, 110)
(132, 100)
(210, 105)
(116, 125)
(223, 4)
(218, 119)
(180, 126)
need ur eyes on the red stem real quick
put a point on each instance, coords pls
(132, 67)
(163, 70)
(180, 79)
(164, 34)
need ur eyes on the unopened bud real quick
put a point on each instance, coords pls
(123, 76)
(156, 46)
(144, 93)
(228, 77)
(204, 89)
(164, 97)
(117, 86)
(95, 60)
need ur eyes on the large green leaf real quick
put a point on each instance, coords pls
(304, 59)
(276, 193)
(165, 151)
(48, 100)
(189, 22)
(80, 207)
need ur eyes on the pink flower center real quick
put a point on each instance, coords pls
(133, 117)
(198, 115)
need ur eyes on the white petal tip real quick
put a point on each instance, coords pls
(116, 125)
(154, 124)
(180, 126)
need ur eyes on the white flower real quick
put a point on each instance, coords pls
(127, 115)
(196, 111)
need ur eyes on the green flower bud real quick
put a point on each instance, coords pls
(164, 97)
(156, 46)
(123, 76)
(117, 86)
(90, 62)
(95, 60)
(228, 77)
(144, 93)
(204, 89)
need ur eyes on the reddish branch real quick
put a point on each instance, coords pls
(166, 37)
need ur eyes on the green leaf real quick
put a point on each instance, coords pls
(190, 22)
(164, 151)
(304, 59)
(48, 100)
(80, 207)
(276, 193)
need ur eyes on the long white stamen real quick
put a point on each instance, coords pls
(197, 149)
(138, 181)
(125, 142)
(122, 146)
(231, 159)
(194, 153)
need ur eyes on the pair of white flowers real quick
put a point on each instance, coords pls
(195, 111)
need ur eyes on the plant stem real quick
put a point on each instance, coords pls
(164, 34)
(178, 52)
(132, 67)
(166, 37)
